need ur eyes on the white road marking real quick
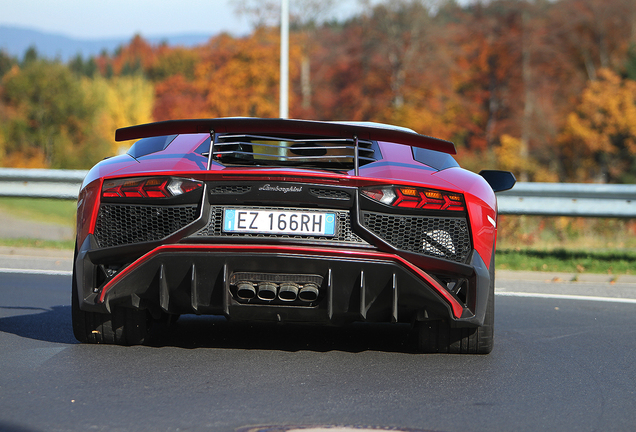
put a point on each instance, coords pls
(566, 297)
(36, 271)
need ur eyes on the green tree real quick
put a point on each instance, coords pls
(30, 55)
(47, 117)
(83, 68)
(6, 63)
(630, 63)
(174, 61)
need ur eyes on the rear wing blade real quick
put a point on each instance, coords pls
(285, 126)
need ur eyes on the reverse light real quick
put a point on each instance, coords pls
(416, 198)
(384, 195)
(148, 187)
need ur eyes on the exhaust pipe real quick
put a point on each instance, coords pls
(245, 290)
(288, 291)
(267, 291)
(309, 292)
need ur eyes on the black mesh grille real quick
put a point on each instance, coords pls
(230, 190)
(120, 224)
(343, 227)
(329, 194)
(443, 237)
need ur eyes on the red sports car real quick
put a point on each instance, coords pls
(274, 220)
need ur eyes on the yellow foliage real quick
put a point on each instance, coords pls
(422, 119)
(31, 158)
(241, 76)
(599, 138)
(509, 158)
(122, 101)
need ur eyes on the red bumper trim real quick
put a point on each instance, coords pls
(456, 307)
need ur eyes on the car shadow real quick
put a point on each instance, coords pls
(192, 332)
(217, 332)
(49, 325)
(10, 427)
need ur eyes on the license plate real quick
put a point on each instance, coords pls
(279, 222)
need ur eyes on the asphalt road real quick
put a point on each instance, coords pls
(559, 363)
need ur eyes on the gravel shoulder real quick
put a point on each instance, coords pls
(13, 227)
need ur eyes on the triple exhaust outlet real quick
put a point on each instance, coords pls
(270, 286)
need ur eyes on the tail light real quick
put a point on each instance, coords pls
(416, 198)
(149, 187)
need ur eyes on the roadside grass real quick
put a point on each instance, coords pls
(36, 243)
(566, 244)
(614, 262)
(61, 212)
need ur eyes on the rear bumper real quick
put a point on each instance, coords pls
(356, 285)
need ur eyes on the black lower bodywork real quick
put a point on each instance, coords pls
(367, 274)
(196, 280)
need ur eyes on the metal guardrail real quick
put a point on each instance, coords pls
(543, 199)
(569, 199)
(41, 183)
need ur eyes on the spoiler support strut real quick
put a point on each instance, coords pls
(212, 138)
(356, 162)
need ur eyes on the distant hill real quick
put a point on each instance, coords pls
(15, 41)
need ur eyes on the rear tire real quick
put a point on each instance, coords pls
(123, 326)
(440, 337)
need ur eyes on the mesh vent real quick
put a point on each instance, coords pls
(330, 194)
(230, 190)
(120, 224)
(343, 227)
(442, 237)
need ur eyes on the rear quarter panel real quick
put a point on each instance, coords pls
(481, 204)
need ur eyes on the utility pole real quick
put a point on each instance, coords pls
(283, 107)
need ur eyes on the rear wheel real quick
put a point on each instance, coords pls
(123, 326)
(440, 337)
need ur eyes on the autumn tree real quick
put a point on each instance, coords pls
(138, 56)
(598, 142)
(594, 34)
(120, 101)
(178, 98)
(175, 61)
(6, 63)
(47, 117)
(240, 76)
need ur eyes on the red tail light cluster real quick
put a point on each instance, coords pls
(148, 187)
(416, 198)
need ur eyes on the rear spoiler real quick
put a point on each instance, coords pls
(363, 131)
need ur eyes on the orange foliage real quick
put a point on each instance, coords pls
(518, 85)
(137, 55)
(599, 139)
(240, 76)
(177, 98)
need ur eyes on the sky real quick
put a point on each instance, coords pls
(95, 19)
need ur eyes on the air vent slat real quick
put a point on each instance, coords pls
(328, 152)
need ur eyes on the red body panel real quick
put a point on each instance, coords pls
(397, 167)
(404, 236)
